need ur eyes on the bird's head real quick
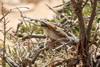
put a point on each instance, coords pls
(47, 24)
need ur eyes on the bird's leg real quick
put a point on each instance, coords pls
(47, 38)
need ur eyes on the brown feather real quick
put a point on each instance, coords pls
(56, 32)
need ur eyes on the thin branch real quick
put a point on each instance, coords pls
(5, 15)
(18, 26)
(4, 47)
(95, 36)
(36, 20)
(78, 10)
(38, 52)
(9, 60)
(91, 19)
(9, 30)
(72, 62)
(68, 43)
(7, 22)
(34, 23)
(52, 10)
(22, 16)
(85, 3)
(24, 37)
(47, 47)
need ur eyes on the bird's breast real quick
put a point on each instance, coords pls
(51, 34)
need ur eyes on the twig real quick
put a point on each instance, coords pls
(91, 19)
(78, 10)
(68, 43)
(22, 16)
(36, 20)
(38, 52)
(33, 36)
(64, 3)
(33, 23)
(47, 47)
(85, 3)
(70, 62)
(34, 57)
(9, 61)
(83, 49)
(10, 12)
(24, 37)
(24, 21)
(18, 26)
(95, 36)
(52, 10)
(5, 15)
(4, 47)
(9, 29)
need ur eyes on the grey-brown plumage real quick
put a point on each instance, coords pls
(52, 31)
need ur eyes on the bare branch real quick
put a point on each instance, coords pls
(4, 47)
(85, 3)
(52, 10)
(36, 20)
(9, 61)
(68, 43)
(78, 10)
(70, 62)
(5, 15)
(95, 36)
(22, 16)
(18, 26)
(8, 30)
(24, 37)
(91, 19)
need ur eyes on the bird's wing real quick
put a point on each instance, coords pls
(56, 30)
(60, 32)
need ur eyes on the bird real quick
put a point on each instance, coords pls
(52, 31)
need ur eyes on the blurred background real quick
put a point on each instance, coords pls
(37, 9)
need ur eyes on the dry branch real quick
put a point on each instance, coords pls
(93, 14)
(69, 62)
(9, 60)
(24, 37)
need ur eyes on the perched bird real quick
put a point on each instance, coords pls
(52, 31)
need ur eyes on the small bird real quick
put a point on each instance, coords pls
(52, 31)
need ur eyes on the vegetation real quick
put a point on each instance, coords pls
(79, 19)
